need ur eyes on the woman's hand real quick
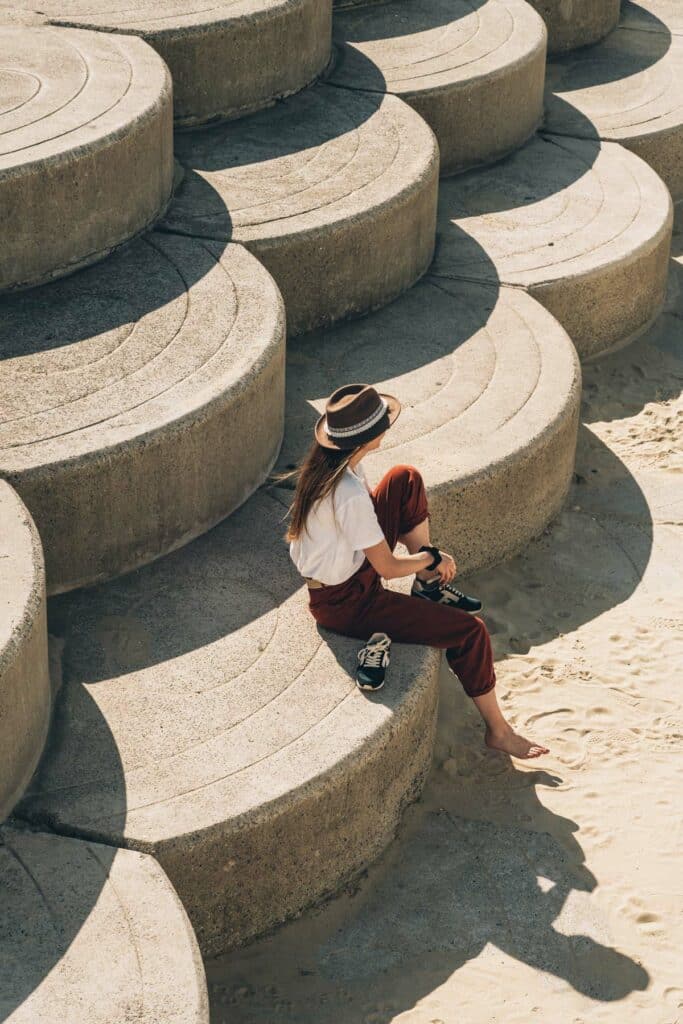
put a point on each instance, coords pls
(446, 568)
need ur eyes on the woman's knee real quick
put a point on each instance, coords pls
(405, 473)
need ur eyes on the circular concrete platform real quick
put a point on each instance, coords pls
(144, 401)
(490, 386)
(627, 90)
(228, 57)
(474, 72)
(333, 190)
(664, 12)
(577, 22)
(86, 148)
(205, 719)
(24, 679)
(92, 935)
(584, 227)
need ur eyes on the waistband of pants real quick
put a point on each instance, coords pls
(314, 584)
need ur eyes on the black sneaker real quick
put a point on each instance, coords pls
(445, 593)
(372, 662)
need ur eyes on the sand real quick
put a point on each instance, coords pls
(549, 890)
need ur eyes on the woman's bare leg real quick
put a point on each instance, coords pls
(499, 733)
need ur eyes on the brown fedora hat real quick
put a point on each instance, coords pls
(355, 414)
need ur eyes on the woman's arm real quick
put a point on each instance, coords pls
(391, 566)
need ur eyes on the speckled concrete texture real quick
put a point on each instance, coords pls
(92, 935)
(144, 401)
(24, 678)
(334, 191)
(627, 90)
(204, 718)
(474, 72)
(574, 23)
(490, 386)
(583, 226)
(227, 58)
(86, 148)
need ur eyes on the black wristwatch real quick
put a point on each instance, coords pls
(434, 552)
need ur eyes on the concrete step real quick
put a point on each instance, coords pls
(583, 226)
(270, 48)
(627, 90)
(85, 126)
(473, 71)
(577, 23)
(204, 718)
(490, 387)
(130, 392)
(92, 935)
(25, 697)
(334, 191)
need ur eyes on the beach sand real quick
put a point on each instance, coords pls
(521, 892)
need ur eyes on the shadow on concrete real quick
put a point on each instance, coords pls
(387, 21)
(622, 54)
(35, 951)
(141, 277)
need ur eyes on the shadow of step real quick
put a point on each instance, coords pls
(334, 191)
(583, 226)
(91, 934)
(627, 90)
(472, 69)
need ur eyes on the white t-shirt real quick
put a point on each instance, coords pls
(330, 548)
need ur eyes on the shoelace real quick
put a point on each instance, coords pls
(372, 656)
(451, 589)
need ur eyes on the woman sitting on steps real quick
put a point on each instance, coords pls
(342, 537)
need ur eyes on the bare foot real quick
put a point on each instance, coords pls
(511, 743)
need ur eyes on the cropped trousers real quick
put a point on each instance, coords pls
(361, 605)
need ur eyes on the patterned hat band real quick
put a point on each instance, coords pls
(358, 428)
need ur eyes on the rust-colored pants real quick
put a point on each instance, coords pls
(361, 605)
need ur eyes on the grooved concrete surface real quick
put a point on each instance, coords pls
(474, 72)
(574, 23)
(583, 226)
(24, 679)
(334, 191)
(490, 386)
(227, 57)
(92, 935)
(85, 108)
(204, 719)
(628, 89)
(130, 391)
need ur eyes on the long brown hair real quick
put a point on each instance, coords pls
(317, 476)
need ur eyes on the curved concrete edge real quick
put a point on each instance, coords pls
(490, 107)
(603, 308)
(128, 159)
(94, 935)
(361, 262)
(578, 23)
(117, 505)
(319, 834)
(25, 697)
(662, 150)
